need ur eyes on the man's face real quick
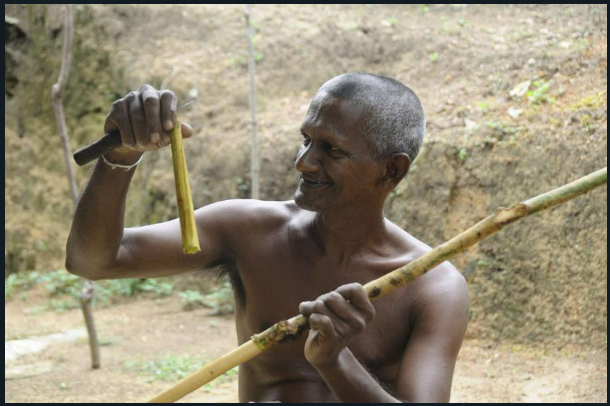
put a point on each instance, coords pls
(336, 167)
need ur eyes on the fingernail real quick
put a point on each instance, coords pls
(168, 125)
(155, 137)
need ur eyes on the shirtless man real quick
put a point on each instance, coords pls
(360, 135)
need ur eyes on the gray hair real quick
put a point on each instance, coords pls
(395, 119)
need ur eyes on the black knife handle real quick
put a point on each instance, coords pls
(100, 147)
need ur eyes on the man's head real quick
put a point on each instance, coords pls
(394, 116)
(361, 133)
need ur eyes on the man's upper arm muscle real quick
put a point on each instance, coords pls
(156, 250)
(439, 325)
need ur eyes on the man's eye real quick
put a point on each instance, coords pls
(334, 149)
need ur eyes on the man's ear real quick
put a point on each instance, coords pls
(396, 167)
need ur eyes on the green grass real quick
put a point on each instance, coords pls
(64, 291)
(168, 368)
(64, 288)
(172, 368)
(19, 281)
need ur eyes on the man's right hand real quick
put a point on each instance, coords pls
(145, 119)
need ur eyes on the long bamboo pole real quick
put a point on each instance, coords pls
(290, 329)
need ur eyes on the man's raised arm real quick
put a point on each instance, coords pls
(98, 246)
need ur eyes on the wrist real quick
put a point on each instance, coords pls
(341, 361)
(123, 158)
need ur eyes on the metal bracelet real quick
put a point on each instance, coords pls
(125, 167)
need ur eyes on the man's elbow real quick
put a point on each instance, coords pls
(83, 270)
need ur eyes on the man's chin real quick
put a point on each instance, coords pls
(304, 203)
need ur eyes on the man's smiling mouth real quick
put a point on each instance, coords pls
(311, 183)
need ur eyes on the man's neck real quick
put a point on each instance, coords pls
(349, 232)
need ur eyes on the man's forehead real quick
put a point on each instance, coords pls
(341, 115)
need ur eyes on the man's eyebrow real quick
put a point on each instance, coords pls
(320, 133)
(338, 141)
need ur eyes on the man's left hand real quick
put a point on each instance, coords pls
(335, 318)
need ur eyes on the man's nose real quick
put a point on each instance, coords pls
(307, 160)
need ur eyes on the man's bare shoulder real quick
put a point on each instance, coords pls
(248, 214)
(443, 280)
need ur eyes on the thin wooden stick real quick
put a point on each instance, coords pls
(254, 159)
(190, 240)
(287, 330)
(57, 93)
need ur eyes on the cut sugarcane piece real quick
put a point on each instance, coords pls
(188, 228)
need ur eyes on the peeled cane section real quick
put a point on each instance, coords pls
(190, 240)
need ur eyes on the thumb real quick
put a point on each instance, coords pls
(313, 336)
(187, 130)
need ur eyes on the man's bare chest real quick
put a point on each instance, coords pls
(275, 284)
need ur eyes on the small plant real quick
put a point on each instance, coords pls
(61, 305)
(159, 288)
(221, 301)
(61, 282)
(231, 373)
(107, 342)
(540, 93)
(191, 299)
(424, 8)
(586, 121)
(389, 22)
(20, 280)
(9, 285)
(242, 60)
(173, 368)
(168, 368)
(592, 101)
(434, 57)
(500, 129)
(483, 105)
(107, 290)
(243, 187)
(239, 60)
(462, 154)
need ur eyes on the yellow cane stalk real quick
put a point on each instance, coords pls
(190, 240)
